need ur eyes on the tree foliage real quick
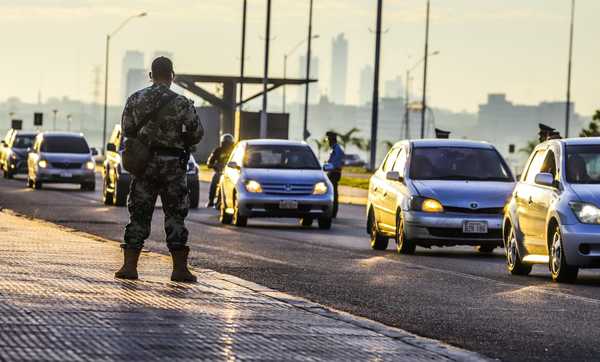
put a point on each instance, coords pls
(593, 129)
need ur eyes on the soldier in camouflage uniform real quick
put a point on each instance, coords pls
(173, 131)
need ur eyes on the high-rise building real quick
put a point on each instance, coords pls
(365, 92)
(394, 88)
(133, 59)
(136, 80)
(339, 69)
(314, 93)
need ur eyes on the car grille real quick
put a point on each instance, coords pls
(287, 189)
(66, 165)
(458, 233)
(464, 210)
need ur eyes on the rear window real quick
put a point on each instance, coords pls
(24, 141)
(280, 157)
(458, 163)
(62, 144)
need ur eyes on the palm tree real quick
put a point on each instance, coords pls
(529, 147)
(388, 145)
(321, 144)
(593, 129)
(348, 138)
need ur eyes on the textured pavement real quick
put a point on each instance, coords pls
(59, 301)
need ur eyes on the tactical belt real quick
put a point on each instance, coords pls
(167, 151)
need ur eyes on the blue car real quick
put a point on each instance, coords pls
(14, 155)
(439, 193)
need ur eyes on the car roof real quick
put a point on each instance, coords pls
(26, 133)
(448, 143)
(274, 142)
(581, 141)
(61, 134)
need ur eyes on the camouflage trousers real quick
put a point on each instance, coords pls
(164, 176)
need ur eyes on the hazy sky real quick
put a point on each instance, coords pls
(513, 46)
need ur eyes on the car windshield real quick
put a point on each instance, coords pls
(65, 144)
(458, 163)
(583, 164)
(280, 157)
(23, 141)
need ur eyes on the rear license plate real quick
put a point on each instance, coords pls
(66, 174)
(475, 227)
(288, 205)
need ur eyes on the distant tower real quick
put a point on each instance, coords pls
(97, 90)
(314, 94)
(133, 59)
(366, 85)
(394, 88)
(339, 69)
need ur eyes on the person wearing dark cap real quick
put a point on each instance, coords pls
(167, 123)
(336, 160)
(547, 133)
(441, 134)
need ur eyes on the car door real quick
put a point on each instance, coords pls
(231, 175)
(379, 186)
(523, 195)
(394, 190)
(33, 158)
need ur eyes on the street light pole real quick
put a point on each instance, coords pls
(424, 104)
(305, 133)
(407, 90)
(263, 114)
(568, 107)
(243, 57)
(108, 37)
(375, 102)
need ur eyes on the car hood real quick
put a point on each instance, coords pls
(587, 193)
(284, 176)
(486, 194)
(66, 157)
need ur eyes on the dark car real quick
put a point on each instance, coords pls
(353, 160)
(61, 157)
(4, 146)
(117, 180)
(14, 158)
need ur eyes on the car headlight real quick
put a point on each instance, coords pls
(586, 213)
(13, 156)
(90, 165)
(43, 163)
(253, 186)
(320, 188)
(431, 205)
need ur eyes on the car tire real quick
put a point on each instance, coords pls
(224, 217)
(37, 185)
(237, 219)
(378, 241)
(29, 183)
(89, 186)
(325, 223)
(560, 270)
(120, 194)
(514, 263)
(306, 222)
(403, 244)
(9, 175)
(194, 195)
(107, 197)
(485, 249)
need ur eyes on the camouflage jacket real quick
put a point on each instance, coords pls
(177, 125)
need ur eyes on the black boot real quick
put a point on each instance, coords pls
(129, 268)
(180, 266)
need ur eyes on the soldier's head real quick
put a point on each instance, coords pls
(331, 138)
(162, 71)
(227, 140)
(545, 132)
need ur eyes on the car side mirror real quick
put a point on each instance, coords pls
(29, 149)
(327, 167)
(545, 179)
(111, 147)
(233, 164)
(394, 176)
(94, 151)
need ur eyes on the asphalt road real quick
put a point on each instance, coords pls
(452, 294)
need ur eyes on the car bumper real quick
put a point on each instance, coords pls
(265, 205)
(17, 166)
(75, 176)
(445, 229)
(581, 243)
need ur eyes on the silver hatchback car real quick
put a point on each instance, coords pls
(275, 178)
(554, 214)
(439, 193)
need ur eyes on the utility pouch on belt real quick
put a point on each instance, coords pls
(137, 153)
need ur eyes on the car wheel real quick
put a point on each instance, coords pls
(325, 223)
(224, 217)
(120, 195)
(8, 174)
(194, 195)
(89, 186)
(306, 222)
(29, 183)
(513, 260)
(37, 185)
(378, 241)
(403, 244)
(561, 272)
(238, 220)
(485, 249)
(107, 197)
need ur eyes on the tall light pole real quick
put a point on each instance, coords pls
(426, 57)
(305, 133)
(243, 56)
(285, 59)
(375, 105)
(407, 93)
(263, 113)
(54, 111)
(568, 107)
(108, 37)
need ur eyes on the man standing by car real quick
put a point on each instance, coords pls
(336, 162)
(217, 161)
(174, 127)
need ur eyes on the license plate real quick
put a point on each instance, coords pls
(475, 227)
(66, 174)
(288, 205)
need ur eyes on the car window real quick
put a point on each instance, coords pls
(583, 164)
(400, 164)
(289, 157)
(549, 165)
(23, 141)
(535, 166)
(64, 144)
(390, 159)
(237, 155)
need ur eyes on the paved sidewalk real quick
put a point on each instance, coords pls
(59, 301)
